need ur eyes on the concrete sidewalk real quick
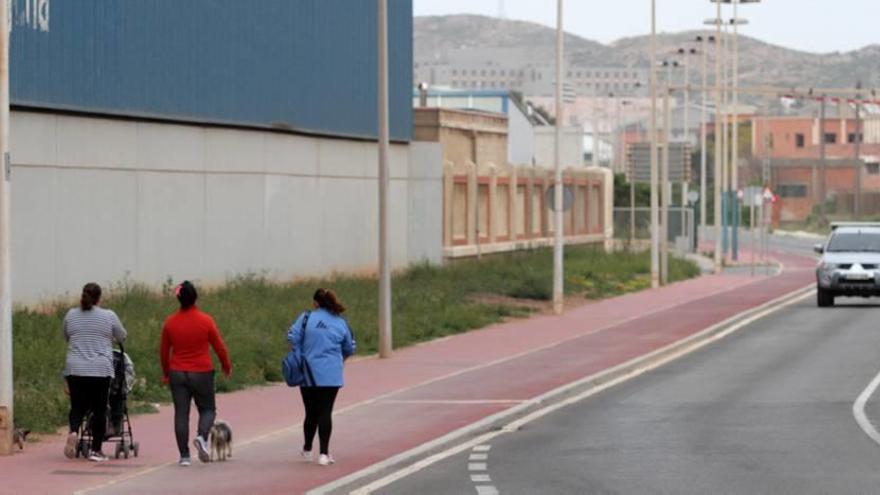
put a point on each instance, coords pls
(422, 393)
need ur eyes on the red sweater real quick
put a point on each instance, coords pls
(185, 339)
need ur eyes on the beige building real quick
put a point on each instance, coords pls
(492, 206)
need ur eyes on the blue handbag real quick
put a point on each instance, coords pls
(294, 366)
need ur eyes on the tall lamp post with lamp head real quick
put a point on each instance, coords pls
(705, 40)
(734, 172)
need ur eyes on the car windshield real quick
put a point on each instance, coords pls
(855, 241)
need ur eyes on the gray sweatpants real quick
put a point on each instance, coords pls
(186, 386)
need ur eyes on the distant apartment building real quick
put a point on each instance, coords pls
(529, 79)
(787, 153)
(801, 137)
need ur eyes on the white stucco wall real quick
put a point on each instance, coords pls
(104, 200)
(520, 138)
(572, 146)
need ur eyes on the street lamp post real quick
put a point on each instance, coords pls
(655, 230)
(705, 40)
(687, 52)
(718, 169)
(857, 140)
(666, 189)
(385, 336)
(557, 195)
(734, 146)
(6, 383)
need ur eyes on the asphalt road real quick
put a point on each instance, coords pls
(766, 410)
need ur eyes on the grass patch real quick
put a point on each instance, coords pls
(253, 315)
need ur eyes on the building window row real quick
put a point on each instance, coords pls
(792, 190)
(522, 73)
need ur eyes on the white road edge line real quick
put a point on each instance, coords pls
(517, 424)
(859, 410)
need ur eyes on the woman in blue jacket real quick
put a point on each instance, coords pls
(325, 345)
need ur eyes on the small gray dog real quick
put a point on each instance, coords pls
(221, 441)
(19, 437)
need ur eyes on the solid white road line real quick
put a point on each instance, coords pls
(859, 410)
(519, 423)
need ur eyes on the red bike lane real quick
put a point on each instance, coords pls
(422, 393)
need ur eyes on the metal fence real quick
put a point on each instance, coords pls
(633, 225)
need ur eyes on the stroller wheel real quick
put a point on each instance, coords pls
(125, 450)
(136, 447)
(118, 450)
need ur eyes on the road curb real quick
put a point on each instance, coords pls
(514, 418)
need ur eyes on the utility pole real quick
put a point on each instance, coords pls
(822, 162)
(655, 232)
(703, 197)
(857, 142)
(666, 189)
(558, 300)
(718, 171)
(385, 336)
(6, 383)
(734, 173)
(687, 133)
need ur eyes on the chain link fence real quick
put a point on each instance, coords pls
(632, 226)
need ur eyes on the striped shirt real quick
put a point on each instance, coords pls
(90, 336)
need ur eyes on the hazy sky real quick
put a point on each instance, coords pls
(810, 25)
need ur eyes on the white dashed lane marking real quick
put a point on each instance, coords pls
(482, 482)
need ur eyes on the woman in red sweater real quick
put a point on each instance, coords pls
(186, 363)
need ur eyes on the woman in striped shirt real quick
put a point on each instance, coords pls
(90, 331)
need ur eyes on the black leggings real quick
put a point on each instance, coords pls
(187, 386)
(89, 393)
(318, 402)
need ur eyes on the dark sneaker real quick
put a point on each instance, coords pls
(97, 456)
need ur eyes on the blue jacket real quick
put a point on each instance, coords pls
(327, 344)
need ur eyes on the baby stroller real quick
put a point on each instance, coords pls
(118, 430)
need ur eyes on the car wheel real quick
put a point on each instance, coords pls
(824, 298)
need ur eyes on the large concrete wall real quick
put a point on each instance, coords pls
(104, 200)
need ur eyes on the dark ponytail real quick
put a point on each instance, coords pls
(186, 294)
(91, 295)
(326, 298)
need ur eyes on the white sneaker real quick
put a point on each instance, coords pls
(326, 460)
(70, 446)
(307, 455)
(97, 456)
(202, 446)
(184, 462)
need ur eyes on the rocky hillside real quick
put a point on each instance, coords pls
(472, 37)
